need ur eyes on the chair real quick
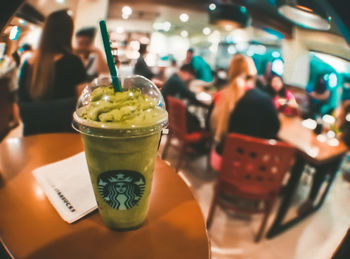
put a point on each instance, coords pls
(178, 130)
(47, 116)
(252, 169)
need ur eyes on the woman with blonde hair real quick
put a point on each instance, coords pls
(240, 107)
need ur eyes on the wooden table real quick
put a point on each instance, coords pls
(322, 156)
(305, 140)
(31, 228)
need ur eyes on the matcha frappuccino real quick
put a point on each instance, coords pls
(121, 132)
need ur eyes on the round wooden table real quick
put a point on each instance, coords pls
(31, 228)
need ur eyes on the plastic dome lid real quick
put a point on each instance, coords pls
(138, 109)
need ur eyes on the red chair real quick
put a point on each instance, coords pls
(178, 130)
(252, 169)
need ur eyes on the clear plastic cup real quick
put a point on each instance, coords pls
(121, 154)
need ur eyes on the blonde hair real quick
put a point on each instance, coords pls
(230, 95)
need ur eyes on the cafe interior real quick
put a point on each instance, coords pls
(245, 167)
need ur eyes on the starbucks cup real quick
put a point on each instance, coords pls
(121, 132)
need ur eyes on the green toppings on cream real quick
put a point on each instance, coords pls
(123, 109)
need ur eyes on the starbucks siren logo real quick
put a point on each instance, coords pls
(121, 189)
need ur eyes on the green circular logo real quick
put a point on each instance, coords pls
(121, 189)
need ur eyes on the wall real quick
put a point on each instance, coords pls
(295, 53)
(296, 58)
(88, 13)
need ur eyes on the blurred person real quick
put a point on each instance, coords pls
(263, 80)
(50, 80)
(344, 108)
(318, 96)
(177, 86)
(92, 58)
(26, 52)
(141, 67)
(172, 69)
(241, 108)
(283, 99)
(15, 56)
(220, 78)
(189, 56)
(22, 54)
(342, 115)
(202, 68)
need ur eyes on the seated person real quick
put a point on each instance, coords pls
(50, 80)
(202, 68)
(241, 108)
(141, 67)
(176, 86)
(172, 69)
(283, 99)
(318, 97)
(92, 58)
(220, 78)
(263, 80)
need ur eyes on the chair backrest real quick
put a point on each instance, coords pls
(177, 117)
(47, 116)
(255, 164)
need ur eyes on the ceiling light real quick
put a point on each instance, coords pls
(276, 54)
(157, 26)
(166, 26)
(228, 27)
(206, 30)
(231, 50)
(328, 119)
(135, 45)
(347, 117)
(70, 12)
(125, 16)
(120, 29)
(162, 26)
(184, 17)
(250, 52)
(277, 66)
(242, 46)
(127, 10)
(14, 33)
(184, 34)
(333, 80)
(305, 13)
(212, 7)
(258, 49)
(144, 40)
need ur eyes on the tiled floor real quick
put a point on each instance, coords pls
(232, 237)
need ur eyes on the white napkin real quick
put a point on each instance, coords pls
(67, 185)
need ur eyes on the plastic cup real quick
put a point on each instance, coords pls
(121, 157)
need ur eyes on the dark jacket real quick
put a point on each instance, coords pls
(254, 115)
(142, 69)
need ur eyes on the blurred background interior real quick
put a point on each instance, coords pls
(292, 39)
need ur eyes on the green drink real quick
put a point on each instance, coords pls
(121, 134)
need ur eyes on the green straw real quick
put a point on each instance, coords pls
(112, 70)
